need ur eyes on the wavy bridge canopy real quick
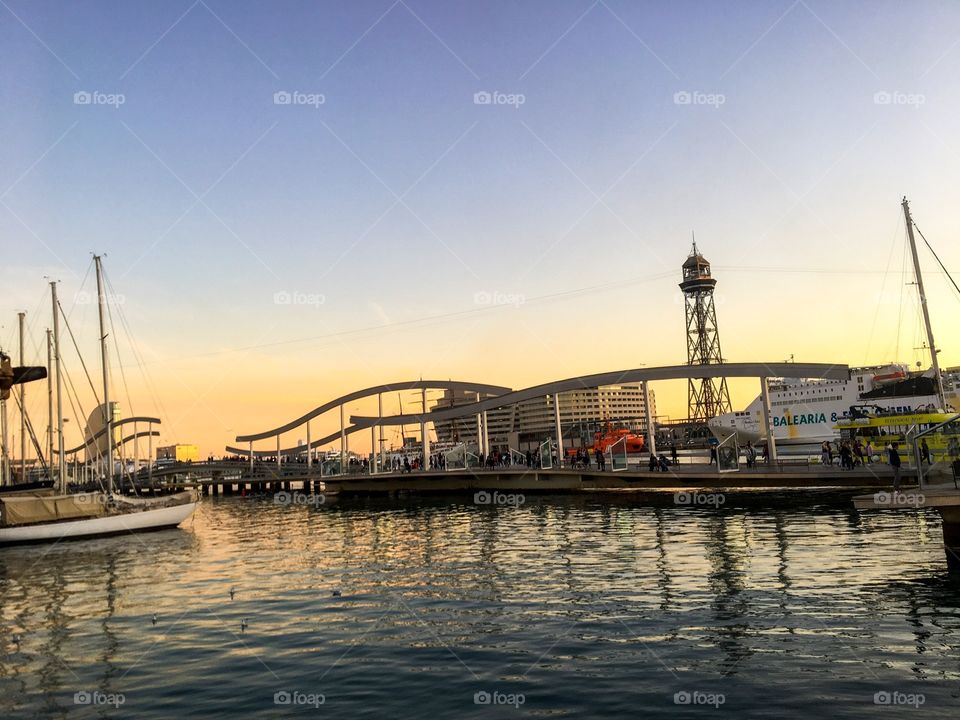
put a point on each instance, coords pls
(823, 371)
(505, 396)
(452, 385)
(116, 424)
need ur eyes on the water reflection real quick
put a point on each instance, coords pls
(579, 602)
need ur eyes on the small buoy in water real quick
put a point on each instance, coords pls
(232, 592)
(336, 593)
(243, 625)
(154, 619)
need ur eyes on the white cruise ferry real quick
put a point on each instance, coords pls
(806, 411)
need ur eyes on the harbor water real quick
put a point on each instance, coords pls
(741, 605)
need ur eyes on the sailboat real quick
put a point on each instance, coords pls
(52, 515)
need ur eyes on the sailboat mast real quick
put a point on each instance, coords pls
(108, 420)
(23, 407)
(50, 403)
(61, 464)
(5, 455)
(937, 379)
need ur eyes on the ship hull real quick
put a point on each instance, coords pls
(138, 521)
(808, 412)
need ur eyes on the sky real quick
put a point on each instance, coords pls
(300, 199)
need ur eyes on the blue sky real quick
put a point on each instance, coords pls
(398, 198)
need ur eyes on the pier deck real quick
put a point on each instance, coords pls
(214, 478)
(532, 480)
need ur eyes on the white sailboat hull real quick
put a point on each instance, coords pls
(139, 521)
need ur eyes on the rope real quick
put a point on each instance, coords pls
(939, 262)
(76, 347)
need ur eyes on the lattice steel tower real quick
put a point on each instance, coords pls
(706, 397)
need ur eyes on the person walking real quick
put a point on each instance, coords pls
(846, 456)
(924, 452)
(673, 453)
(893, 457)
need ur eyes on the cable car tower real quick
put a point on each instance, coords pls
(706, 397)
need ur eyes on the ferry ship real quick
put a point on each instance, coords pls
(809, 411)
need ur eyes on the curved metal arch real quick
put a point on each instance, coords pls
(825, 371)
(137, 436)
(103, 431)
(245, 452)
(453, 385)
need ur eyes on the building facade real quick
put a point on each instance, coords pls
(525, 425)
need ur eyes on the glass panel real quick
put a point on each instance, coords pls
(456, 459)
(728, 455)
(546, 456)
(329, 468)
(618, 455)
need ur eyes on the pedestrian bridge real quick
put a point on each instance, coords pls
(491, 397)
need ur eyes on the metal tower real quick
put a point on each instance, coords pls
(706, 397)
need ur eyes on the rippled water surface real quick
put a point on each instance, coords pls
(562, 607)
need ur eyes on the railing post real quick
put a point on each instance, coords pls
(380, 426)
(343, 443)
(424, 432)
(767, 420)
(556, 420)
(651, 421)
(480, 449)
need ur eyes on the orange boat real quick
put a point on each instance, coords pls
(610, 435)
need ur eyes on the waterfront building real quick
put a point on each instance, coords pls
(526, 424)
